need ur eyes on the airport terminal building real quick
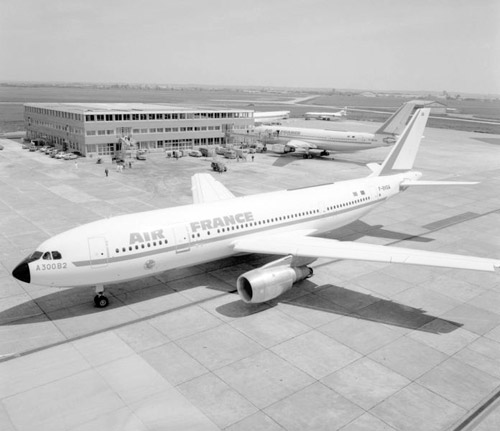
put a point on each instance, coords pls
(101, 129)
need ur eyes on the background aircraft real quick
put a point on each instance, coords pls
(218, 225)
(270, 117)
(327, 116)
(319, 142)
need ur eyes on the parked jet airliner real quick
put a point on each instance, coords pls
(219, 225)
(327, 116)
(320, 142)
(270, 117)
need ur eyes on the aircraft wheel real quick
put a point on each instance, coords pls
(310, 156)
(305, 156)
(101, 301)
(311, 272)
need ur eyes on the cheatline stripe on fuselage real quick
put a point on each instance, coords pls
(215, 239)
(326, 140)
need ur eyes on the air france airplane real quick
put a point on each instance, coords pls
(320, 142)
(217, 225)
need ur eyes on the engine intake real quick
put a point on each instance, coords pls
(264, 284)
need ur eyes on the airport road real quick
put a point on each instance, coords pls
(359, 346)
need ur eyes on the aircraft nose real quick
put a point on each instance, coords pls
(22, 272)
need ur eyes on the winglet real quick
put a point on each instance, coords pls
(402, 155)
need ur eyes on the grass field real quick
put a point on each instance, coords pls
(12, 99)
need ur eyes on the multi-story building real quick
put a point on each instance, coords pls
(99, 128)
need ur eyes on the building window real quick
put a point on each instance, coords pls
(118, 117)
(109, 117)
(100, 117)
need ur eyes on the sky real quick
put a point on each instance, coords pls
(412, 45)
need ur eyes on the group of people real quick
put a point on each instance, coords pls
(119, 168)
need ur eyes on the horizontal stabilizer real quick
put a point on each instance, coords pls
(438, 183)
(374, 167)
(206, 189)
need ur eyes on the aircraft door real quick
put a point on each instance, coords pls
(375, 192)
(98, 252)
(182, 239)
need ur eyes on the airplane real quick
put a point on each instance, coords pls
(218, 225)
(270, 117)
(320, 142)
(327, 116)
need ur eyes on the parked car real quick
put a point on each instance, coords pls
(230, 154)
(26, 147)
(60, 155)
(70, 156)
(141, 155)
(219, 167)
(53, 152)
(195, 153)
(32, 148)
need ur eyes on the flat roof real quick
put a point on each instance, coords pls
(81, 108)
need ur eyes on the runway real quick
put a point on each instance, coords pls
(360, 346)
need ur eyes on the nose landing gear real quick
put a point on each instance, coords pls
(100, 300)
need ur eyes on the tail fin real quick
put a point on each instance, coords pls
(397, 121)
(403, 154)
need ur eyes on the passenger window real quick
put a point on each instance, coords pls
(56, 255)
(47, 256)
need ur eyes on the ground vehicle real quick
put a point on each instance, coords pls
(25, 146)
(230, 154)
(220, 150)
(219, 166)
(32, 148)
(53, 153)
(60, 155)
(195, 153)
(70, 156)
(141, 155)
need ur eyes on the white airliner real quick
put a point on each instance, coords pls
(218, 225)
(327, 116)
(270, 117)
(320, 142)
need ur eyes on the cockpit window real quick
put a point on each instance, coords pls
(47, 256)
(56, 255)
(33, 256)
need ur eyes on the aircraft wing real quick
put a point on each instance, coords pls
(206, 189)
(306, 246)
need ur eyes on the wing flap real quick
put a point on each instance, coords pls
(328, 248)
(205, 189)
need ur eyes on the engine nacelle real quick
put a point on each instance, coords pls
(264, 284)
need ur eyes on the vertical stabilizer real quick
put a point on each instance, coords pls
(402, 155)
(397, 121)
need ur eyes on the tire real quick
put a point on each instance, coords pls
(101, 301)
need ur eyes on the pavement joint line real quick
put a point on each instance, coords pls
(467, 423)
(6, 358)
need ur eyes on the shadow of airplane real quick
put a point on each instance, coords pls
(345, 302)
(76, 302)
(286, 159)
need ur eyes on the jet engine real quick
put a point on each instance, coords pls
(270, 281)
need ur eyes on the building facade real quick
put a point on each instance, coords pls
(98, 129)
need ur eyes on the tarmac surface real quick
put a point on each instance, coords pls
(360, 346)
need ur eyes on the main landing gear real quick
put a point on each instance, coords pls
(100, 300)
